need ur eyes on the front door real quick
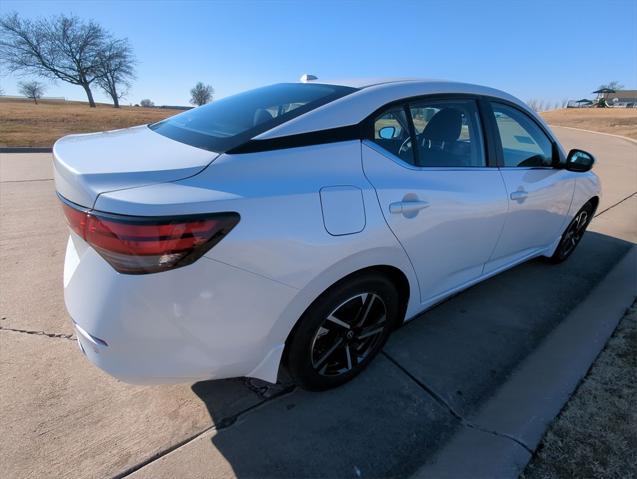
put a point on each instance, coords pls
(539, 195)
(427, 162)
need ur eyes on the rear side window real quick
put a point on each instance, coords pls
(391, 132)
(448, 133)
(524, 144)
(227, 123)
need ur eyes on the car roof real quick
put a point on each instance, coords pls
(362, 82)
(372, 94)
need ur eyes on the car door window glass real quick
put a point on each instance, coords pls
(448, 133)
(524, 144)
(391, 132)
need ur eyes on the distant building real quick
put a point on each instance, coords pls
(625, 98)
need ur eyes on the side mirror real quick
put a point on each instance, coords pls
(579, 160)
(387, 132)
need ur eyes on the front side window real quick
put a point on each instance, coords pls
(448, 133)
(524, 144)
(227, 123)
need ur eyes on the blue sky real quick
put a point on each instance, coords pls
(547, 50)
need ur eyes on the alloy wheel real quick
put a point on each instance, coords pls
(574, 233)
(349, 334)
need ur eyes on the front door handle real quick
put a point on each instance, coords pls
(519, 195)
(406, 207)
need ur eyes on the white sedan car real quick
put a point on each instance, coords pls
(300, 223)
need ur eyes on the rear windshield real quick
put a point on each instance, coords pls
(227, 123)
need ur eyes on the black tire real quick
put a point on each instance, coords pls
(573, 234)
(324, 353)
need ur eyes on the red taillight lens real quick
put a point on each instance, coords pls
(138, 245)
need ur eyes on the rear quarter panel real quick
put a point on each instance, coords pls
(281, 235)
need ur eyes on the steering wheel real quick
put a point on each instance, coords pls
(405, 147)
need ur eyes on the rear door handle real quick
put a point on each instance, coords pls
(402, 207)
(519, 195)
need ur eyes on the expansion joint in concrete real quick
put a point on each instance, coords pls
(440, 400)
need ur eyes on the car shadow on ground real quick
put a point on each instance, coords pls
(435, 369)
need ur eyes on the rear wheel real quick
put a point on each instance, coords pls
(573, 234)
(342, 332)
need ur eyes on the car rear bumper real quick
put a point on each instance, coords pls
(203, 321)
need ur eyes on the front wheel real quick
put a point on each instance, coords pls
(573, 234)
(342, 331)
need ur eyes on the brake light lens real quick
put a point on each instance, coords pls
(140, 245)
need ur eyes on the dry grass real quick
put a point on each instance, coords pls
(596, 433)
(618, 121)
(24, 123)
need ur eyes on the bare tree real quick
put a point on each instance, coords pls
(146, 103)
(116, 69)
(564, 103)
(31, 89)
(201, 94)
(533, 104)
(1, 91)
(611, 85)
(63, 48)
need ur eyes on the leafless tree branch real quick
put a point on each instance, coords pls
(31, 89)
(117, 69)
(201, 94)
(64, 48)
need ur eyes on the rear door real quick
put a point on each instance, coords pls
(438, 192)
(539, 195)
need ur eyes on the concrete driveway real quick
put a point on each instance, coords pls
(62, 417)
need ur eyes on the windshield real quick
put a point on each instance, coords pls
(227, 123)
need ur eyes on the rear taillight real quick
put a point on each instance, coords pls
(138, 245)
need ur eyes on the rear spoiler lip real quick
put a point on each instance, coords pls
(71, 204)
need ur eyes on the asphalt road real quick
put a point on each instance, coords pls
(62, 417)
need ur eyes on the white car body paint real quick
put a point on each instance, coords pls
(310, 216)
(89, 164)
(548, 194)
(184, 325)
(463, 203)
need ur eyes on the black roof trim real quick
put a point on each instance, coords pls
(320, 137)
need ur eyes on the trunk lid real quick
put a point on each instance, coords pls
(90, 164)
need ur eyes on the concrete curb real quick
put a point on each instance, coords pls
(596, 132)
(536, 392)
(26, 149)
